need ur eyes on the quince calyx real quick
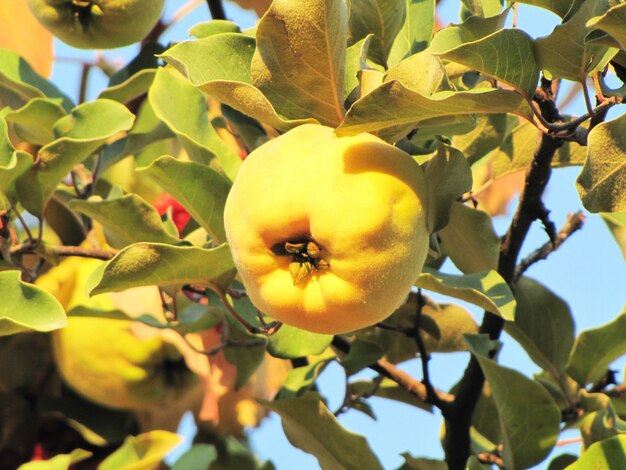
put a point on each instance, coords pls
(305, 258)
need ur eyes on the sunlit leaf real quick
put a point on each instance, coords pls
(393, 104)
(33, 123)
(383, 19)
(470, 240)
(187, 116)
(210, 28)
(310, 427)
(131, 88)
(610, 453)
(200, 189)
(602, 181)
(58, 462)
(417, 31)
(422, 72)
(449, 176)
(128, 219)
(559, 7)
(80, 134)
(617, 225)
(595, 349)
(290, 342)
(413, 463)
(26, 307)
(143, 452)
(488, 134)
(13, 163)
(300, 58)
(613, 22)
(147, 264)
(529, 417)
(19, 83)
(562, 52)
(301, 379)
(506, 55)
(543, 326)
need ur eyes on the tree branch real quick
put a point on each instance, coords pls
(387, 369)
(217, 9)
(458, 416)
(573, 223)
(65, 251)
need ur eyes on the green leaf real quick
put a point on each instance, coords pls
(58, 462)
(529, 417)
(506, 55)
(33, 123)
(595, 349)
(383, 18)
(422, 72)
(562, 461)
(543, 326)
(518, 148)
(602, 181)
(449, 176)
(362, 353)
(210, 28)
(26, 307)
(13, 163)
(133, 87)
(217, 57)
(480, 8)
(610, 453)
(486, 290)
(416, 32)
(19, 83)
(198, 457)
(148, 264)
(559, 7)
(80, 134)
(413, 463)
(290, 342)
(128, 219)
(562, 52)
(470, 240)
(488, 134)
(220, 66)
(393, 104)
(200, 189)
(301, 379)
(246, 359)
(388, 389)
(144, 451)
(310, 427)
(612, 22)
(300, 58)
(617, 225)
(356, 61)
(187, 116)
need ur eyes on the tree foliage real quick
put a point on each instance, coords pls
(112, 209)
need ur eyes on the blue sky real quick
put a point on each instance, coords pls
(589, 271)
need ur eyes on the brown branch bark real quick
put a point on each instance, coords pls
(387, 369)
(217, 9)
(458, 416)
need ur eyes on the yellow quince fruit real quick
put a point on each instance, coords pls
(98, 24)
(328, 233)
(116, 363)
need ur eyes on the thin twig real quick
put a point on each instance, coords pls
(31, 240)
(432, 396)
(84, 80)
(573, 223)
(268, 329)
(65, 251)
(387, 369)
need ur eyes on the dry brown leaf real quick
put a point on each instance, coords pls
(22, 33)
(494, 196)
